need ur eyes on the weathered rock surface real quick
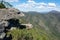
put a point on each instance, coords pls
(28, 26)
(5, 15)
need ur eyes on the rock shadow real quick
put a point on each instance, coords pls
(15, 23)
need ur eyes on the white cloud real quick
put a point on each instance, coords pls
(40, 7)
(31, 5)
(44, 4)
(11, 0)
(51, 5)
(31, 1)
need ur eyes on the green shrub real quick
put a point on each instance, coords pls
(32, 34)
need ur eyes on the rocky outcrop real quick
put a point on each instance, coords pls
(28, 26)
(9, 20)
(10, 13)
(5, 15)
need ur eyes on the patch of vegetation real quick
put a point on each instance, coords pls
(32, 34)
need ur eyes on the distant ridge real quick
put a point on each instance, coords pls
(54, 11)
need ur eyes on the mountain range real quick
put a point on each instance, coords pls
(49, 22)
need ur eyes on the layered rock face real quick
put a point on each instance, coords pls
(5, 15)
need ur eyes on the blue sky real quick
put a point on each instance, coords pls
(36, 5)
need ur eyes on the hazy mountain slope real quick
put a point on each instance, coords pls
(49, 22)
